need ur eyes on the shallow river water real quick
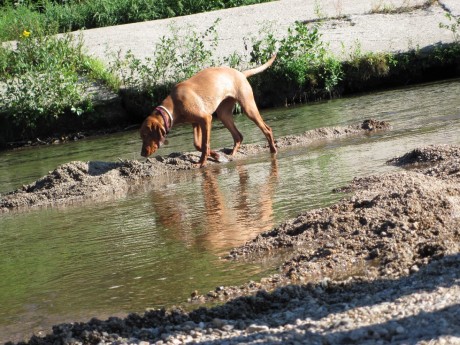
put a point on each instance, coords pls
(153, 247)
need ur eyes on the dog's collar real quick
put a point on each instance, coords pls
(168, 124)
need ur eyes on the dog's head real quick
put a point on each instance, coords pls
(153, 135)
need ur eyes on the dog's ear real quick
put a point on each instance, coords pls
(144, 131)
(153, 127)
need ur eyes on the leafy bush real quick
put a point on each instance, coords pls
(43, 80)
(370, 65)
(34, 98)
(304, 64)
(43, 53)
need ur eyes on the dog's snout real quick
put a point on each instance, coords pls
(145, 152)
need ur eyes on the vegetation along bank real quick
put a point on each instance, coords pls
(51, 86)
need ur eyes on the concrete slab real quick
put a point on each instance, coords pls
(364, 25)
(387, 32)
(453, 6)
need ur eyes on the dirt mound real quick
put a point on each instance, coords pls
(447, 159)
(429, 154)
(79, 181)
(391, 225)
(328, 133)
(69, 182)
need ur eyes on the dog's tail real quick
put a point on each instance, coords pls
(251, 72)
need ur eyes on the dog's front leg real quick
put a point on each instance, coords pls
(197, 142)
(197, 137)
(205, 127)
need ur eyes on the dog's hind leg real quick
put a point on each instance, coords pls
(249, 107)
(225, 114)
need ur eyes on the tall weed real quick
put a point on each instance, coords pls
(177, 57)
(14, 20)
(453, 26)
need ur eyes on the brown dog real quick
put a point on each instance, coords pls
(194, 100)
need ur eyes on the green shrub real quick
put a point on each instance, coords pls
(43, 53)
(43, 80)
(34, 99)
(370, 65)
(304, 65)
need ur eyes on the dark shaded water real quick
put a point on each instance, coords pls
(153, 247)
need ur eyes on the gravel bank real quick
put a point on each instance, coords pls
(382, 266)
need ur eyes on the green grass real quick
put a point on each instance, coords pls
(49, 17)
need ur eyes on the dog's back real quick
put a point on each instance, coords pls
(221, 82)
(209, 87)
(213, 75)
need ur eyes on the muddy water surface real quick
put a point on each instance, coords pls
(155, 246)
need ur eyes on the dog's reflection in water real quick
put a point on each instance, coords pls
(218, 217)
